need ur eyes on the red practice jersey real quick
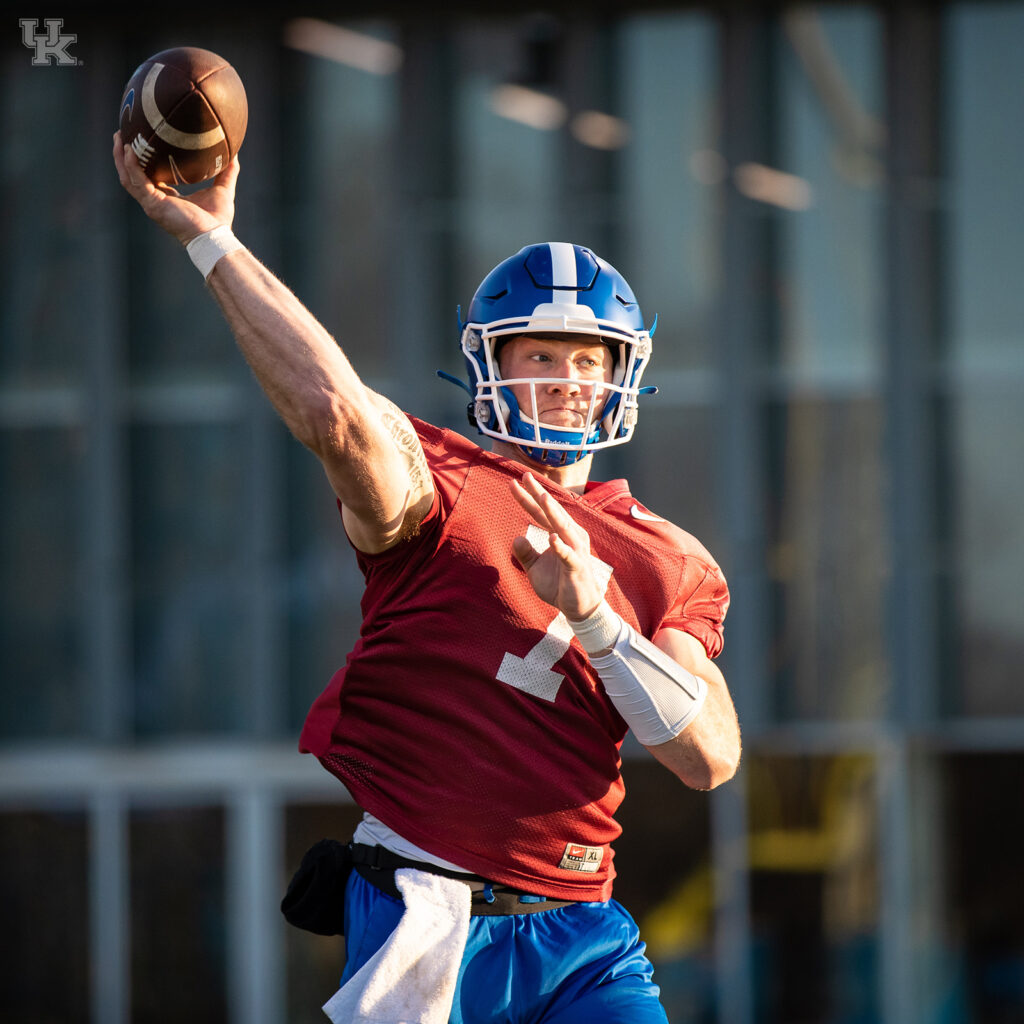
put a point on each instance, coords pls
(468, 718)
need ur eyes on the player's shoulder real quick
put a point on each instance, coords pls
(450, 457)
(619, 503)
(442, 440)
(427, 432)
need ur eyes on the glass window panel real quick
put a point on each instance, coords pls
(986, 358)
(986, 216)
(509, 171)
(668, 172)
(177, 335)
(190, 605)
(831, 140)
(339, 215)
(984, 840)
(44, 971)
(814, 888)
(41, 649)
(46, 209)
(178, 927)
(314, 962)
(826, 560)
(826, 536)
(988, 452)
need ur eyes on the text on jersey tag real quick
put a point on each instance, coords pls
(578, 857)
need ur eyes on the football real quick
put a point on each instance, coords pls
(184, 112)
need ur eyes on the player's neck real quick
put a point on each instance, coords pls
(573, 477)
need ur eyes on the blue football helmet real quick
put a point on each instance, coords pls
(554, 288)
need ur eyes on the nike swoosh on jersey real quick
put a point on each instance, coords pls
(634, 511)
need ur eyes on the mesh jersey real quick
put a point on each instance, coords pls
(467, 718)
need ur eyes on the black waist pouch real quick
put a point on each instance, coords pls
(315, 899)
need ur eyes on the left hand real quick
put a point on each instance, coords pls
(563, 574)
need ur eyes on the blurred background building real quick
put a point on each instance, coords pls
(823, 205)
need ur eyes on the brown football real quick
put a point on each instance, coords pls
(184, 112)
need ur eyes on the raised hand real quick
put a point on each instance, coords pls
(184, 217)
(563, 574)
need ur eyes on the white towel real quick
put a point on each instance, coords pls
(411, 978)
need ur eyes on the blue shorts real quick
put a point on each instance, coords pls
(579, 964)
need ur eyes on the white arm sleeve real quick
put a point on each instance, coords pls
(656, 696)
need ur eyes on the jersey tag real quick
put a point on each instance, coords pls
(578, 857)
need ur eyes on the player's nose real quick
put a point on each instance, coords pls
(564, 386)
(568, 374)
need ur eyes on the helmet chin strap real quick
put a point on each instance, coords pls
(556, 458)
(552, 458)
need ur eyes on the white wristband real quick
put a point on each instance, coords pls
(655, 695)
(599, 630)
(206, 249)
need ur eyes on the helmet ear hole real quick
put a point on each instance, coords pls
(608, 419)
(620, 357)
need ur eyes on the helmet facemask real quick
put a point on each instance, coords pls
(610, 414)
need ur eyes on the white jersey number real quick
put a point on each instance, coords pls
(535, 674)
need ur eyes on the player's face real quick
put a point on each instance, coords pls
(578, 366)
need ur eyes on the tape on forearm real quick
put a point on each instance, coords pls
(655, 695)
(206, 249)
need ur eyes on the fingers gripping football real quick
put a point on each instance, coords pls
(183, 217)
(563, 573)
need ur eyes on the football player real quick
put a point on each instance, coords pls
(519, 619)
